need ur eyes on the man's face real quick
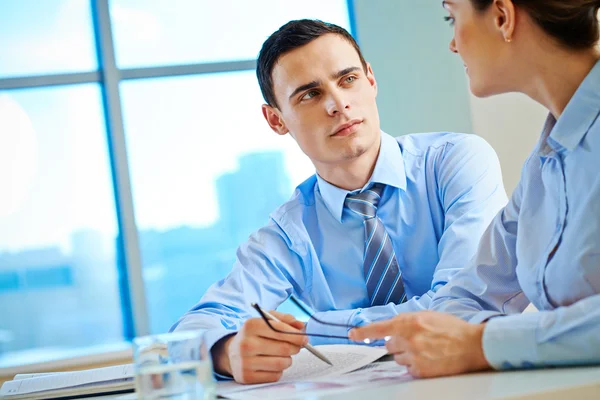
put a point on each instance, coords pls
(326, 102)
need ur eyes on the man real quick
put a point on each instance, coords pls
(381, 226)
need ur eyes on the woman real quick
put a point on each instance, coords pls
(544, 247)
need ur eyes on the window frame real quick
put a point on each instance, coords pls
(108, 77)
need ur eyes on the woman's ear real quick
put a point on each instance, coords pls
(505, 18)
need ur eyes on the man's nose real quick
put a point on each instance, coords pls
(337, 102)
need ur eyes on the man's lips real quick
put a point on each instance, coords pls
(348, 128)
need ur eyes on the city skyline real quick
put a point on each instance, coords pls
(179, 265)
(181, 131)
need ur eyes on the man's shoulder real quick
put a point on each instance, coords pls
(293, 209)
(446, 155)
(421, 144)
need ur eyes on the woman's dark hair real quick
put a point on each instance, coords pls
(573, 23)
(290, 36)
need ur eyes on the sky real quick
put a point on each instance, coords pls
(181, 133)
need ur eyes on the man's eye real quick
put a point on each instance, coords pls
(350, 79)
(310, 95)
(449, 19)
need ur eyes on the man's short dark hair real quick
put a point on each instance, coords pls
(290, 36)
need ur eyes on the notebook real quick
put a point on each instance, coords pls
(70, 385)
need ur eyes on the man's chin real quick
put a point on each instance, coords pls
(354, 152)
(351, 147)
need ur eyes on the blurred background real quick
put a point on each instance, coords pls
(131, 129)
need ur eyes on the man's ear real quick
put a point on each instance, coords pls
(274, 119)
(371, 77)
(505, 18)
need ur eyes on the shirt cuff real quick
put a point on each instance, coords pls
(211, 337)
(483, 316)
(341, 317)
(510, 342)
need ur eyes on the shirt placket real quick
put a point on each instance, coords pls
(553, 182)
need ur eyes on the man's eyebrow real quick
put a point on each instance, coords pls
(345, 71)
(446, 3)
(314, 84)
(304, 87)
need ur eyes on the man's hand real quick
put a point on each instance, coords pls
(429, 343)
(258, 354)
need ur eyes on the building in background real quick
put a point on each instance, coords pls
(74, 296)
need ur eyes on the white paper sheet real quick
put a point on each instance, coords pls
(46, 382)
(305, 366)
(374, 375)
(27, 376)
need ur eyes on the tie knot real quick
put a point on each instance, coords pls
(365, 203)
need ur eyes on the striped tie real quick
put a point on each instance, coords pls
(383, 277)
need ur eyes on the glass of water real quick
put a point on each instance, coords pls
(174, 366)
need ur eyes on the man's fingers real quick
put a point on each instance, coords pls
(371, 332)
(288, 319)
(301, 326)
(283, 317)
(260, 346)
(278, 348)
(249, 377)
(267, 363)
(259, 354)
(260, 328)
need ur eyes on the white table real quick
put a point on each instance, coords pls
(549, 384)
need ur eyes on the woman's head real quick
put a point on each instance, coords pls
(571, 23)
(489, 33)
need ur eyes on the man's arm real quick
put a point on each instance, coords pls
(266, 271)
(470, 189)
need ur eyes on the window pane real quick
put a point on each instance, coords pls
(206, 171)
(58, 275)
(155, 32)
(43, 37)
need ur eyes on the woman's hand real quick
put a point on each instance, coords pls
(429, 343)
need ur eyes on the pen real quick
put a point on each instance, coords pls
(308, 347)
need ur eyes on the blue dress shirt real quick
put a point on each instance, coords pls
(545, 248)
(442, 191)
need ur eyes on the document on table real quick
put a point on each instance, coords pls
(115, 379)
(306, 367)
(377, 374)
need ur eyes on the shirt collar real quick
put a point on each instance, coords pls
(389, 170)
(580, 113)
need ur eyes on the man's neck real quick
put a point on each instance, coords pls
(352, 174)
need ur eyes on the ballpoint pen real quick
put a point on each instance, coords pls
(307, 346)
